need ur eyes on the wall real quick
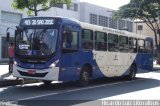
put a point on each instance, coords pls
(145, 30)
(86, 9)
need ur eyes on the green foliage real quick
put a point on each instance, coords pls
(37, 5)
(54, 2)
(141, 9)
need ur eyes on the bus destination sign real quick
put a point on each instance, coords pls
(30, 22)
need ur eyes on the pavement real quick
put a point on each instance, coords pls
(7, 79)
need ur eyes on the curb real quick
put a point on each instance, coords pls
(5, 83)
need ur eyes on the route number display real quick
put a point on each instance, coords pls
(28, 22)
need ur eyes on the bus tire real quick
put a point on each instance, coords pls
(132, 73)
(84, 77)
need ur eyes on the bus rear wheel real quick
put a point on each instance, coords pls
(133, 71)
(84, 76)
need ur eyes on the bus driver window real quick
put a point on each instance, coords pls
(66, 39)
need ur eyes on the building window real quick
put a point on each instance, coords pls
(93, 19)
(103, 21)
(130, 26)
(8, 17)
(73, 6)
(59, 5)
(140, 27)
(112, 23)
(121, 24)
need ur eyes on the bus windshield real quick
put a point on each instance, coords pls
(36, 42)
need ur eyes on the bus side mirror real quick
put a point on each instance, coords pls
(8, 36)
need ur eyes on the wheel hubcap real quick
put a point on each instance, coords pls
(85, 76)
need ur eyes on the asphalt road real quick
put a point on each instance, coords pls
(145, 86)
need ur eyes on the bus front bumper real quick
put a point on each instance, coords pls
(50, 74)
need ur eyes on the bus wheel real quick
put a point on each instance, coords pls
(133, 71)
(47, 82)
(84, 77)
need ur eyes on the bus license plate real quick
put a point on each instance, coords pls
(32, 72)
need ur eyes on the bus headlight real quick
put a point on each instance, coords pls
(54, 64)
(15, 62)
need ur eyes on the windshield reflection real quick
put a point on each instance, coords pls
(36, 41)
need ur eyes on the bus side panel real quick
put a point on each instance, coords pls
(88, 57)
(72, 63)
(144, 62)
(69, 67)
(97, 73)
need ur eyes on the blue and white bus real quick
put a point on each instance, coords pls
(62, 49)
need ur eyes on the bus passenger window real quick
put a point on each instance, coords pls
(141, 46)
(74, 42)
(101, 41)
(148, 46)
(123, 43)
(113, 42)
(66, 39)
(132, 45)
(70, 39)
(87, 39)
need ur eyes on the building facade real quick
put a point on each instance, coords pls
(8, 18)
(102, 16)
(82, 11)
(142, 29)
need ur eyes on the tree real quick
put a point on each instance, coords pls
(146, 10)
(37, 5)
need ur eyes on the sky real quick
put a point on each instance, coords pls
(111, 4)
